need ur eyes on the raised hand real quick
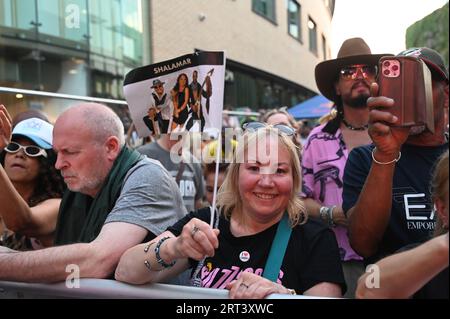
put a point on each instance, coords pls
(5, 127)
(197, 240)
(387, 139)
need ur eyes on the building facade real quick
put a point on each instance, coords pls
(85, 47)
(272, 46)
(78, 47)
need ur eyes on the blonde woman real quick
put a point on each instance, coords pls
(258, 194)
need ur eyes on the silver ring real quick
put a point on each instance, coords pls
(245, 285)
(194, 230)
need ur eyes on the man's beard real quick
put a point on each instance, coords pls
(359, 102)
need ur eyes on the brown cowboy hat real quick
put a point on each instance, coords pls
(352, 51)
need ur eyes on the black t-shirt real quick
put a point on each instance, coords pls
(437, 287)
(312, 255)
(412, 219)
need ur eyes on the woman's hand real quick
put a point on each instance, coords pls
(197, 240)
(251, 286)
(5, 127)
(388, 140)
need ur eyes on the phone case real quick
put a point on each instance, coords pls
(407, 80)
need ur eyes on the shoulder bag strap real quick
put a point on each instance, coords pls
(278, 249)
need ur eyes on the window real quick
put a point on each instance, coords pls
(26, 14)
(6, 13)
(132, 28)
(102, 27)
(49, 18)
(312, 36)
(266, 8)
(75, 20)
(324, 47)
(294, 19)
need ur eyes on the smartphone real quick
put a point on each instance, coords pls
(407, 80)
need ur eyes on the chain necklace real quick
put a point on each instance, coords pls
(349, 126)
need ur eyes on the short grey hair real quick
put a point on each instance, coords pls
(102, 121)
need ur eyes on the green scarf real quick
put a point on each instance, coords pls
(81, 217)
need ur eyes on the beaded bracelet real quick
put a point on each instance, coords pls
(387, 163)
(158, 256)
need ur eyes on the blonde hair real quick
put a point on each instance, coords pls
(292, 122)
(229, 198)
(283, 111)
(439, 189)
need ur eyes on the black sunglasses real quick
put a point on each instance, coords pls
(253, 126)
(29, 150)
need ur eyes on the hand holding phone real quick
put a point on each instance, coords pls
(407, 80)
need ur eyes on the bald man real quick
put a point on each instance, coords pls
(116, 199)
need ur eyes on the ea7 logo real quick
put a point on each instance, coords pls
(410, 208)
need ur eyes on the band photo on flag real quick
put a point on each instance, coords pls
(184, 94)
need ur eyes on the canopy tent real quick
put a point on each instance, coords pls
(313, 108)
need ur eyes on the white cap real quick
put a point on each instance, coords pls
(37, 130)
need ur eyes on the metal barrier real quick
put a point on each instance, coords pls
(111, 289)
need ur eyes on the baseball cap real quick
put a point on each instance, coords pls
(37, 130)
(432, 59)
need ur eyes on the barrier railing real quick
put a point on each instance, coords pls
(111, 289)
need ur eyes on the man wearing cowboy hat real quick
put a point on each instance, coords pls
(160, 111)
(387, 184)
(346, 81)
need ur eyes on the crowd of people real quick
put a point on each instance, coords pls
(279, 213)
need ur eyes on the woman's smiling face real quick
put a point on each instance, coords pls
(266, 182)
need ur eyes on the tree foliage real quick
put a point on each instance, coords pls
(431, 31)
